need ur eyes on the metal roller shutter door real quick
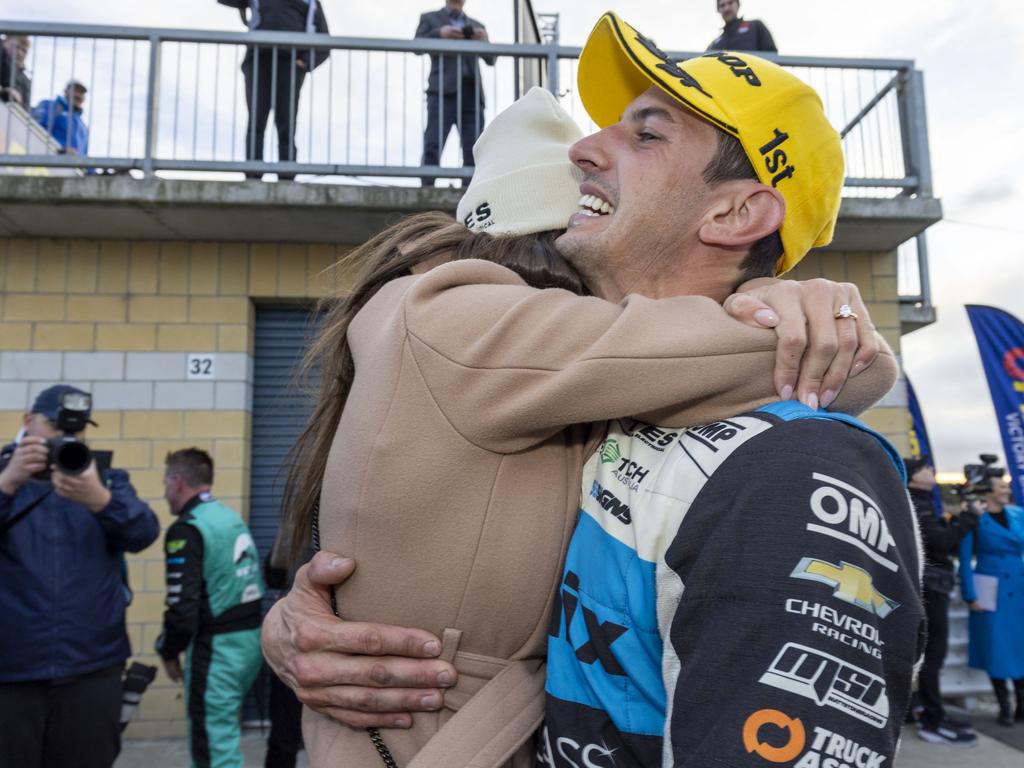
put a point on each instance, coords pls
(279, 411)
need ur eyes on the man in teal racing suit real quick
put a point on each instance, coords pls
(213, 609)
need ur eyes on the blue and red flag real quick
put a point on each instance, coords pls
(919, 443)
(1000, 338)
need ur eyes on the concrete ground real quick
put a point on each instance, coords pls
(914, 753)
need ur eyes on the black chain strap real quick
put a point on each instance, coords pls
(374, 733)
(382, 748)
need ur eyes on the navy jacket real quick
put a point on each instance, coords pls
(430, 26)
(743, 35)
(61, 595)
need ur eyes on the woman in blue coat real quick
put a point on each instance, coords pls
(997, 637)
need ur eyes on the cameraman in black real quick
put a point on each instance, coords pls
(63, 642)
(455, 95)
(941, 538)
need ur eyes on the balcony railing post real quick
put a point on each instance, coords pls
(152, 105)
(914, 131)
(553, 71)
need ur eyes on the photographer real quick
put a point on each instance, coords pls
(996, 631)
(940, 538)
(455, 96)
(63, 642)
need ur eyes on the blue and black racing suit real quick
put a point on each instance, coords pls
(745, 593)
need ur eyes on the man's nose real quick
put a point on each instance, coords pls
(589, 153)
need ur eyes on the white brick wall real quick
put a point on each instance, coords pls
(128, 380)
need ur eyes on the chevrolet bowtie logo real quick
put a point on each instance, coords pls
(849, 583)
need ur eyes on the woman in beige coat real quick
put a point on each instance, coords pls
(447, 444)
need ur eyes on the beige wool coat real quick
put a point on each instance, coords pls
(454, 476)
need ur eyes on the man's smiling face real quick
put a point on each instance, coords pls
(642, 194)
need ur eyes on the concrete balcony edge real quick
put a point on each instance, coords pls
(124, 208)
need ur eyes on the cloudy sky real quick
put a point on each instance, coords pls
(972, 54)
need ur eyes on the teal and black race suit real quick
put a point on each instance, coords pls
(214, 588)
(744, 593)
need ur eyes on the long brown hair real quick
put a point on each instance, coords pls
(415, 240)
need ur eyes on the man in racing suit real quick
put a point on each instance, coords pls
(213, 608)
(744, 593)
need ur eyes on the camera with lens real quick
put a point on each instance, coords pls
(467, 31)
(978, 477)
(70, 455)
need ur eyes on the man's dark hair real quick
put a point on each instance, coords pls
(192, 464)
(730, 163)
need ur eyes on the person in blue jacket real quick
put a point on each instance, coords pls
(62, 118)
(63, 642)
(997, 637)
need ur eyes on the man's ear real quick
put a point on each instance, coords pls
(741, 213)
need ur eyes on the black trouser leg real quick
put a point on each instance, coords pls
(285, 739)
(1018, 689)
(84, 724)
(1002, 692)
(22, 723)
(936, 606)
(441, 116)
(257, 101)
(472, 123)
(286, 110)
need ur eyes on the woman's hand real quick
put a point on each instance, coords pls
(818, 350)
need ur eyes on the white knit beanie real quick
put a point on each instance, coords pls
(524, 181)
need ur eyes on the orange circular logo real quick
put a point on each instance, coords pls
(783, 754)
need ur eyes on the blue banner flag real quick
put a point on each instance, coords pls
(1000, 338)
(919, 443)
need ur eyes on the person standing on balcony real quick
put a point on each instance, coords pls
(62, 118)
(454, 93)
(738, 34)
(15, 85)
(274, 75)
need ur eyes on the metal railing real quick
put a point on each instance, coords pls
(175, 100)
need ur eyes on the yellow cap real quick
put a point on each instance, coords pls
(777, 118)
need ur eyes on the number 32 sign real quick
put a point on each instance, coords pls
(200, 366)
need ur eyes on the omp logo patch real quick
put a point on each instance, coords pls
(829, 682)
(849, 583)
(852, 516)
(796, 736)
(716, 432)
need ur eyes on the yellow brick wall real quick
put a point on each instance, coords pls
(104, 296)
(875, 275)
(117, 296)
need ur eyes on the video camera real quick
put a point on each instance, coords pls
(978, 477)
(70, 455)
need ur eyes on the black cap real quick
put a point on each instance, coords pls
(915, 465)
(48, 401)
